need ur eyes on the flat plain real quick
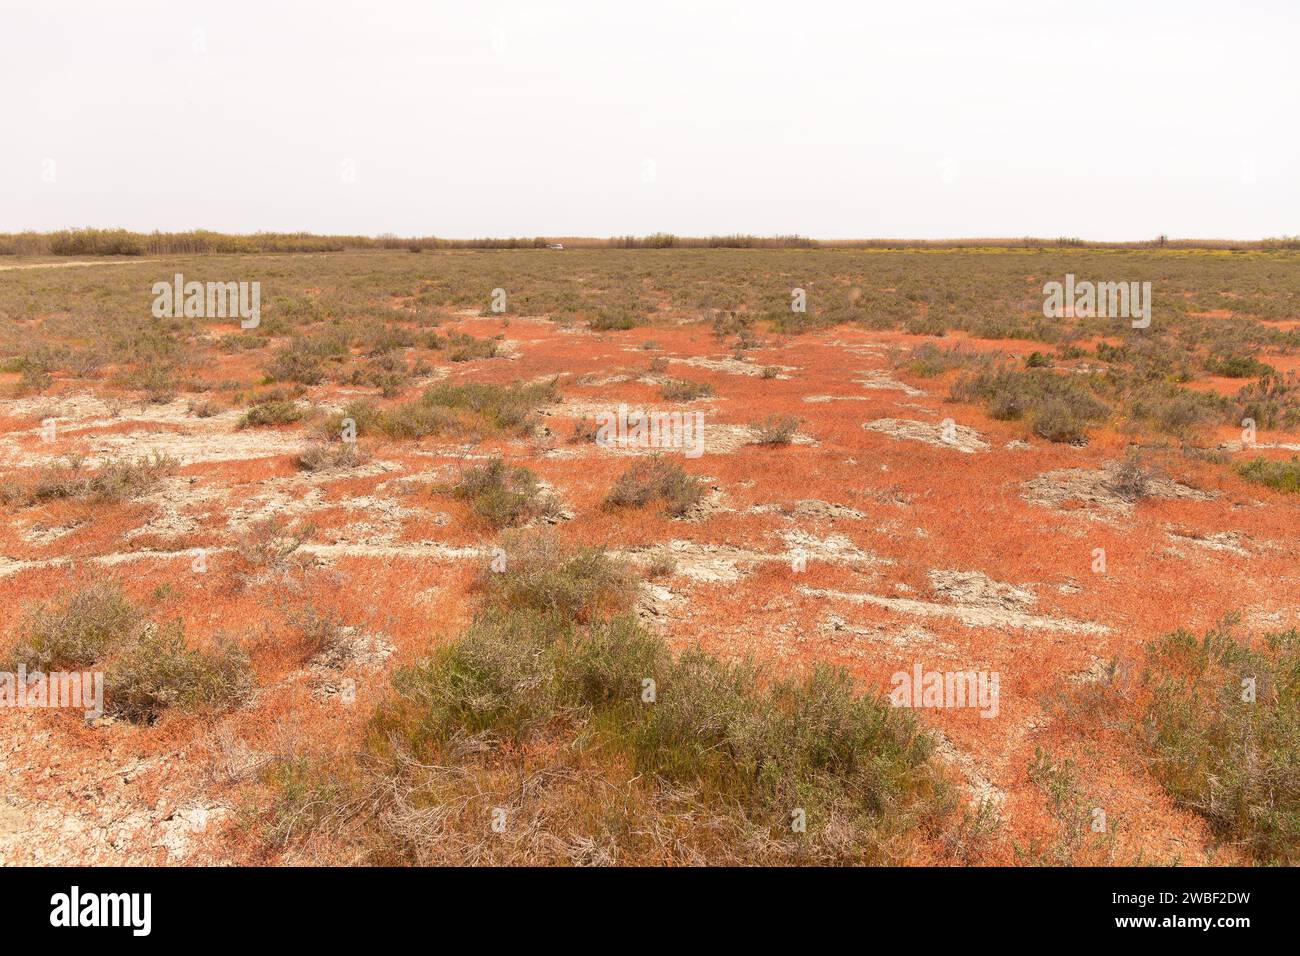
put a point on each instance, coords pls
(432, 644)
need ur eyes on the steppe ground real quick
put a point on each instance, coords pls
(948, 498)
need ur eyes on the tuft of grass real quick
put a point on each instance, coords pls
(1222, 727)
(585, 431)
(332, 456)
(114, 481)
(610, 320)
(655, 477)
(545, 576)
(465, 348)
(681, 390)
(274, 543)
(775, 430)
(274, 411)
(1130, 478)
(76, 632)
(1282, 475)
(503, 496)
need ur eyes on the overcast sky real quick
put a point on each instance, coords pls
(850, 119)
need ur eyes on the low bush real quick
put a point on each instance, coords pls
(655, 477)
(1223, 728)
(272, 412)
(680, 390)
(118, 480)
(775, 430)
(502, 495)
(1282, 475)
(148, 667)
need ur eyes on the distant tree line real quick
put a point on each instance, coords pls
(122, 242)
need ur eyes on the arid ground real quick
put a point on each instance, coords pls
(919, 471)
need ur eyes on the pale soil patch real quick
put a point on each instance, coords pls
(655, 603)
(41, 534)
(731, 366)
(354, 651)
(907, 637)
(1091, 487)
(91, 814)
(812, 508)
(726, 564)
(964, 438)
(1224, 541)
(186, 447)
(718, 438)
(979, 786)
(78, 263)
(969, 615)
(835, 548)
(1242, 446)
(976, 589)
(421, 549)
(880, 381)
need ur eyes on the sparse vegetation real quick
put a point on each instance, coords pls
(775, 430)
(715, 759)
(503, 495)
(1281, 475)
(1131, 477)
(332, 456)
(680, 390)
(118, 480)
(655, 477)
(148, 667)
(1222, 726)
(272, 412)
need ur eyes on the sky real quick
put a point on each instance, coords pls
(908, 119)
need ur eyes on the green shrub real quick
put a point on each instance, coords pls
(680, 390)
(77, 632)
(1057, 421)
(156, 670)
(656, 477)
(272, 412)
(720, 734)
(1282, 475)
(1238, 366)
(447, 409)
(295, 364)
(465, 348)
(775, 430)
(1230, 755)
(615, 320)
(148, 667)
(1058, 406)
(543, 575)
(502, 495)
